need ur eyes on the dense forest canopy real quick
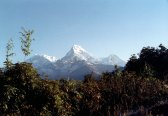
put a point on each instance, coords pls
(153, 60)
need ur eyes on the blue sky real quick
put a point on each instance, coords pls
(102, 27)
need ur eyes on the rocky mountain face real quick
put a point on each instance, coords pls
(75, 64)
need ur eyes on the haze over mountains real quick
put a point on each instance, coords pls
(75, 64)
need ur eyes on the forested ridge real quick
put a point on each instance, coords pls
(138, 90)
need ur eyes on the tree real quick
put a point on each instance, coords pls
(9, 53)
(117, 72)
(151, 60)
(26, 41)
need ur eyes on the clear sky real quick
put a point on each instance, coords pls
(102, 27)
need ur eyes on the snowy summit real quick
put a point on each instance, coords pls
(50, 58)
(78, 49)
(77, 53)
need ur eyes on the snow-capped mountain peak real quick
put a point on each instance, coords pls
(50, 58)
(77, 53)
(76, 63)
(113, 60)
(78, 49)
(41, 59)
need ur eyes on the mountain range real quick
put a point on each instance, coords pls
(75, 64)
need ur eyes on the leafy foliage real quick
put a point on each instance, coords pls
(23, 92)
(26, 41)
(9, 53)
(156, 59)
